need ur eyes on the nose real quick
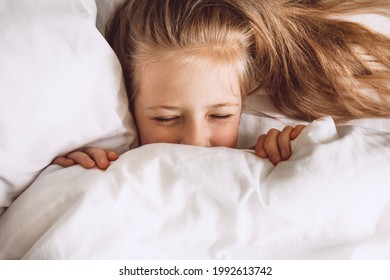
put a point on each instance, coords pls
(195, 133)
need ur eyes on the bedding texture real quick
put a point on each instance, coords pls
(330, 200)
(60, 89)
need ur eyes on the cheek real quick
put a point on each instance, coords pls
(150, 133)
(226, 136)
(144, 130)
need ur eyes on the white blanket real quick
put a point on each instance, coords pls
(160, 201)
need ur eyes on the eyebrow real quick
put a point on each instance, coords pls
(175, 108)
(166, 107)
(219, 105)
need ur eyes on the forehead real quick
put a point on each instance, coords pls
(197, 79)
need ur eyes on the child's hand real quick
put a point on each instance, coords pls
(275, 145)
(87, 158)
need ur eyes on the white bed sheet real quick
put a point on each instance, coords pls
(331, 200)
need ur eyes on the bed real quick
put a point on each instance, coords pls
(61, 88)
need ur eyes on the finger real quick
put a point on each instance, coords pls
(296, 131)
(63, 162)
(99, 156)
(271, 146)
(112, 155)
(81, 158)
(259, 148)
(284, 142)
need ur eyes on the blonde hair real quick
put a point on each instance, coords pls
(310, 61)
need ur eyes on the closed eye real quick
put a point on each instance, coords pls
(221, 117)
(166, 119)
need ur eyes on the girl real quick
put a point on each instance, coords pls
(188, 64)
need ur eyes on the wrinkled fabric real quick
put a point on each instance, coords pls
(331, 200)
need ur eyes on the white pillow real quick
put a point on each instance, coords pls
(60, 89)
(104, 11)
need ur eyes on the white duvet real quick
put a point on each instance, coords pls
(160, 201)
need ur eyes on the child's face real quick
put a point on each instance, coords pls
(186, 104)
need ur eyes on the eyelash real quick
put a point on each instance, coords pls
(221, 117)
(217, 117)
(165, 120)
